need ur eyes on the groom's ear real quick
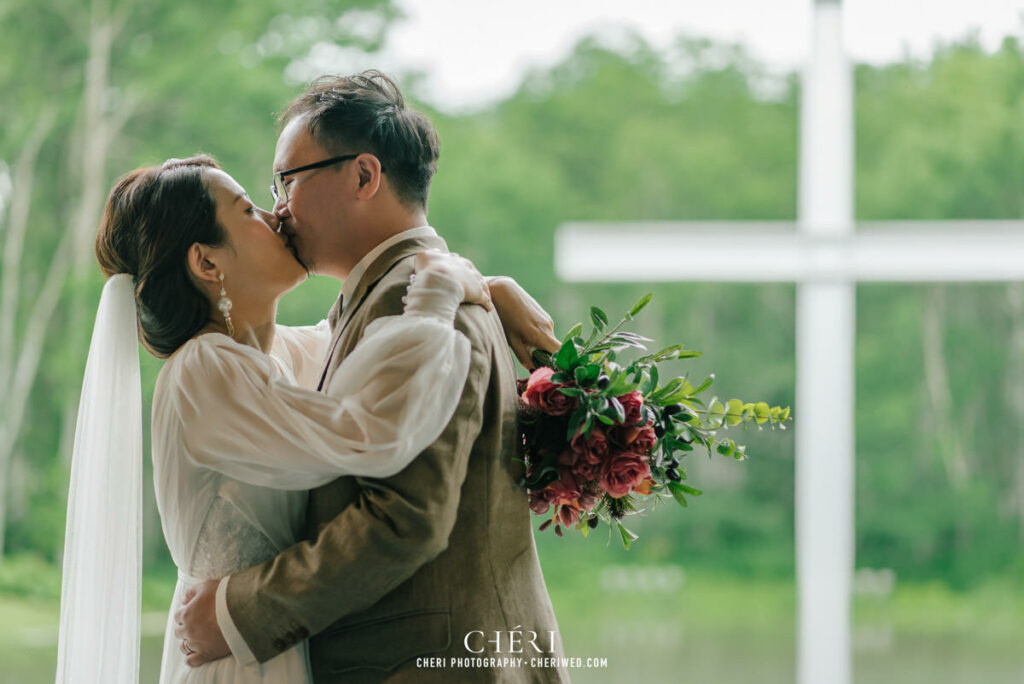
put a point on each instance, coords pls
(369, 169)
(202, 263)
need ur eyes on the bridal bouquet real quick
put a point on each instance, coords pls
(603, 438)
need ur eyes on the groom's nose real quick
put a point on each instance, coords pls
(281, 209)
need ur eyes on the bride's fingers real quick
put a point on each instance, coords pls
(195, 659)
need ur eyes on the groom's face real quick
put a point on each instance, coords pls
(317, 217)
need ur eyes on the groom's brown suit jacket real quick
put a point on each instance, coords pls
(424, 563)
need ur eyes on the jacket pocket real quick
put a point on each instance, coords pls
(382, 643)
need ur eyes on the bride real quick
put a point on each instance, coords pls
(195, 271)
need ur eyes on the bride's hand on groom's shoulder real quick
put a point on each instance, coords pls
(460, 269)
(195, 624)
(528, 327)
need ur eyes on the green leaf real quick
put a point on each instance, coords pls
(641, 303)
(727, 447)
(685, 489)
(617, 410)
(620, 384)
(627, 537)
(733, 412)
(599, 318)
(670, 387)
(650, 382)
(571, 391)
(573, 332)
(705, 385)
(677, 493)
(580, 373)
(568, 356)
(716, 412)
(762, 412)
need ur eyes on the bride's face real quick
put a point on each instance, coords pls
(258, 262)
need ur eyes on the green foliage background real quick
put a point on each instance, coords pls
(699, 131)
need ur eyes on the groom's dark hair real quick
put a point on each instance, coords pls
(366, 112)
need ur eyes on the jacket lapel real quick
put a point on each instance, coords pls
(339, 317)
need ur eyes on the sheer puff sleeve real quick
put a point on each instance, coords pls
(388, 400)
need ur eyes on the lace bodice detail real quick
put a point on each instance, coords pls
(228, 542)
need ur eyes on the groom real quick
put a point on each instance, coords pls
(430, 575)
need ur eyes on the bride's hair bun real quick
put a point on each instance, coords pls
(152, 216)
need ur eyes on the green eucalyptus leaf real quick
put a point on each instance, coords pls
(733, 412)
(716, 413)
(641, 303)
(627, 537)
(618, 411)
(573, 332)
(678, 493)
(705, 385)
(650, 382)
(600, 318)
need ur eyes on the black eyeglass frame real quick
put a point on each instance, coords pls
(281, 195)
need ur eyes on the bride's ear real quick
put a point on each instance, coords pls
(202, 264)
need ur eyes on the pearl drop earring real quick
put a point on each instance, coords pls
(224, 304)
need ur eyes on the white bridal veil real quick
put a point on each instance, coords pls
(100, 599)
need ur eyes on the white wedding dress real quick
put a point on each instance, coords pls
(238, 437)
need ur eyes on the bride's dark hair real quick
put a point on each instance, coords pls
(151, 218)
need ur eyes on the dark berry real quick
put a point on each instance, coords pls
(603, 382)
(673, 475)
(659, 431)
(592, 522)
(673, 409)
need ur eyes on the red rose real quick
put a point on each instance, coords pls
(543, 395)
(632, 403)
(639, 439)
(586, 471)
(645, 441)
(588, 455)
(593, 449)
(623, 471)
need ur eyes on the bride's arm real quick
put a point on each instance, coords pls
(527, 325)
(389, 399)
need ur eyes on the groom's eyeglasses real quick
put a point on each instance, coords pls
(280, 191)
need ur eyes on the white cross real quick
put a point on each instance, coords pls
(826, 258)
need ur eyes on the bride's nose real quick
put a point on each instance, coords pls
(272, 219)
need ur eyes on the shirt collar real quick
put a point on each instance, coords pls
(349, 286)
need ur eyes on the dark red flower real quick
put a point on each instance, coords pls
(623, 471)
(633, 405)
(543, 395)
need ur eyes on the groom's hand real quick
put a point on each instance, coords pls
(195, 624)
